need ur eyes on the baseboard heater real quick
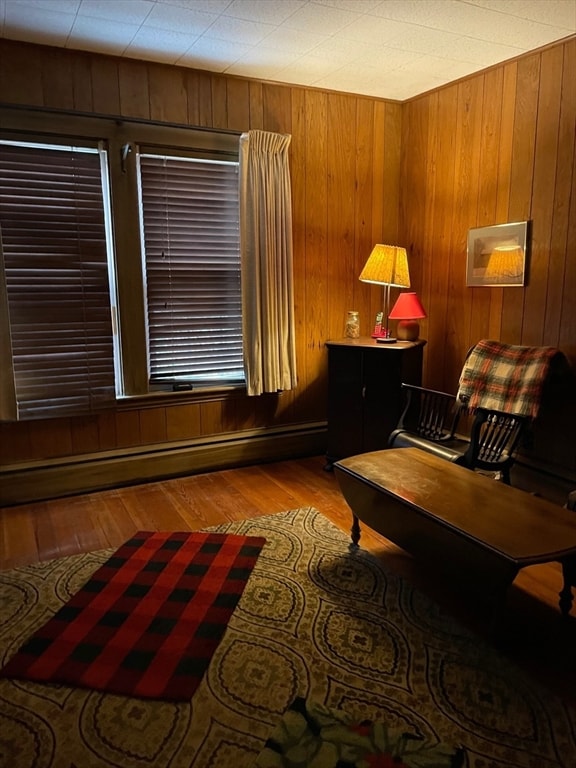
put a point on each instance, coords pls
(55, 478)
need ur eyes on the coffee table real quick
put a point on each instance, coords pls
(473, 528)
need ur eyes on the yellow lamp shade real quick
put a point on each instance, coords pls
(387, 265)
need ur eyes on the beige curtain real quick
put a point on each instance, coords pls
(266, 255)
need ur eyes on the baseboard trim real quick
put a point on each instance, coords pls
(56, 478)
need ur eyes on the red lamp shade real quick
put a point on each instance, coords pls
(407, 310)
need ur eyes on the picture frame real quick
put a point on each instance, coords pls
(496, 255)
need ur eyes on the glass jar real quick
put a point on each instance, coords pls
(352, 325)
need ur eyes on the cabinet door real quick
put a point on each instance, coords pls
(364, 395)
(345, 402)
(383, 375)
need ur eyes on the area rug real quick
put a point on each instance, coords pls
(148, 621)
(318, 620)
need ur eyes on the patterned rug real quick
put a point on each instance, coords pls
(148, 621)
(317, 621)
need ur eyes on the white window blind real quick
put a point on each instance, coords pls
(190, 226)
(55, 254)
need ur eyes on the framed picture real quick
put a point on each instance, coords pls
(497, 255)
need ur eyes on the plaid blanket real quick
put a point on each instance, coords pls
(505, 377)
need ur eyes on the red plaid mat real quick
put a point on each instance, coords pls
(148, 621)
(505, 377)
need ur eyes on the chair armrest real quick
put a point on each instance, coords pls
(429, 413)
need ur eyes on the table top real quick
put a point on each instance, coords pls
(520, 526)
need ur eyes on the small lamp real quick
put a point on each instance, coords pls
(387, 265)
(407, 311)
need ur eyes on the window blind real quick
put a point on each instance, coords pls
(190, 223)
(56, 265)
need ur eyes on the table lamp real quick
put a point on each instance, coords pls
(407, 310)
(387, 265)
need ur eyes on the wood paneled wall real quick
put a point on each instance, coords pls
(491, 148)
(345, 163)
(494, 148)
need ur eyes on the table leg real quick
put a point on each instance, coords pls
(569, 574)
(355, 530)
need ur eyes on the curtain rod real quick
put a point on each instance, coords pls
(118, 119)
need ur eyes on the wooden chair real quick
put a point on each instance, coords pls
(500, 388)
(430, 421)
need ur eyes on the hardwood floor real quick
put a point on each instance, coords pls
(530, 628)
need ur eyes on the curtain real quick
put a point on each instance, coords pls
(266, 263)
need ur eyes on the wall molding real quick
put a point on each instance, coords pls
(70, 475)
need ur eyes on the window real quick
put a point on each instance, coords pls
(52, 219)
(190, 218)
(121, 262)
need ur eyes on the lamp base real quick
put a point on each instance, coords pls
(408, 330)
(386, 340)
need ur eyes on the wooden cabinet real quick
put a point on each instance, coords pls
(364, 396)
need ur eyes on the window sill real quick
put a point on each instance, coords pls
(165, 397)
